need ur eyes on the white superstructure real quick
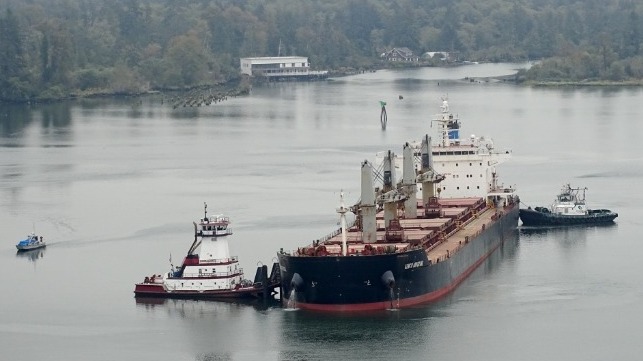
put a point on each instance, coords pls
(216, 225)
(212, 269)
(570, 202)
(208, 265)
(468, 165)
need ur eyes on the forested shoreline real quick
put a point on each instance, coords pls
(53, 49)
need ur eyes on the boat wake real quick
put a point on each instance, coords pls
(615, 174)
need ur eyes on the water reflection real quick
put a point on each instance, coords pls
(572, 234)
(215, 330)
(311, 336)
(55, 119)
(56, 115)
(32, 255)
(14, 118)
(186, 308)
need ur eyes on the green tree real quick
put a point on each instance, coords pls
(13, 71)
(57, 51)
(186, 62)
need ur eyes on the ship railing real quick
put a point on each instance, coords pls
(335, 233)
(213, 274)
(232, 259)
(449, 253)
(434, 239)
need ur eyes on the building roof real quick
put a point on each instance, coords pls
(275, 58)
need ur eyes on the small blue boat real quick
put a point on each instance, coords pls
(31, 242)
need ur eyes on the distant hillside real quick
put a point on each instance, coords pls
(51, 49)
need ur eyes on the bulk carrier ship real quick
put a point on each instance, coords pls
(414, 241)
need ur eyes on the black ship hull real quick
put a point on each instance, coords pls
(378, 282)
(533, 217)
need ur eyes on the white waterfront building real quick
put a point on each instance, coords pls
(280, 67)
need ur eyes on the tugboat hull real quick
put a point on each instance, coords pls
(531, 217)
(158, 291)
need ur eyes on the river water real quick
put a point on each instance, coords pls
(114, 185)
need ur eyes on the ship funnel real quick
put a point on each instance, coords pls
(388, 279)
(367, 206)
(296, 283)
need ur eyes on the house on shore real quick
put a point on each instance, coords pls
(401, 55)
(281, 68)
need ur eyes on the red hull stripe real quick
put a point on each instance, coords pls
(405, 302)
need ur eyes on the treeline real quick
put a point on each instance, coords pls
(58, 48)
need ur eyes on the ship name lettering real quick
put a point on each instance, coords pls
(414, 265)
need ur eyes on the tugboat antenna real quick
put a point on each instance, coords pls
(205, 210)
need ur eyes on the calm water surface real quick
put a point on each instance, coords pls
(114, 186)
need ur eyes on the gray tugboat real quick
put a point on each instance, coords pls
(569, 208)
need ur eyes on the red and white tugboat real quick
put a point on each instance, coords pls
(209, 271)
